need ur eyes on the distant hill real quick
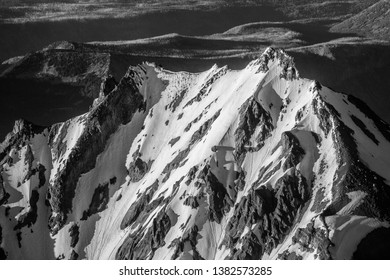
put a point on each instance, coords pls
(371, 22)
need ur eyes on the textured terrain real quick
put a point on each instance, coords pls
(257, 163)
(371, 22)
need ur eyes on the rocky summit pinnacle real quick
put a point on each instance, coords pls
(257, 163)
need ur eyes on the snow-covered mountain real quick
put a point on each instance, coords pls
(258, 163)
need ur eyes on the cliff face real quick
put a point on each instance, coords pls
(251, 164)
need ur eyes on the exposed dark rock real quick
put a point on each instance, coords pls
(250, 250)
(173, 141)
(264, 60)
(74, 255)
(313, 239)
(113, 180)
(358, 176)
(383, 127)
(98, 202)
(176, 187)
(263, 178)
(219, 200)
(141, 246)
(175, 163)
(316, 137)
(58, 146)
(22, 132)
(191, 174)
(240, 181)
(203, 129)
(323, 115)
(317, 86)
(319, 201)
(363, 127)
(102, 121)
(41, 173)
(109, 84)
(176, 101)
(299, 115)
(286, 62)
(191, 237)
(271, 212)
(191, 201)
(197, 136)
(292, 148)
(289, 72)
(7, 209)
(28, 162)
(251, 116)
(29, 218)
(142, 243)
(137, 170)
(194, 121)
(139, 205)
(74, 234)
(206, 86)
(263, 201)
(286, 255)
(180, 116)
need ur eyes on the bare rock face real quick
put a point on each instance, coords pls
(312, 239)
(286, 62)
(291, 146)
(137, 170)
(190, 238)
(219, 200)
(99, 201)
(23, 130)
(195, 138)
(139, 247)
(191, 201)
(271, 212)
(74, 255)
(74, 232)
(252, 115)
(109, 85)
(29, 218)
(138, 209)
(117, 108)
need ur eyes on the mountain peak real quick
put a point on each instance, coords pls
(277, 57)
(22, 125)
(224, 164)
